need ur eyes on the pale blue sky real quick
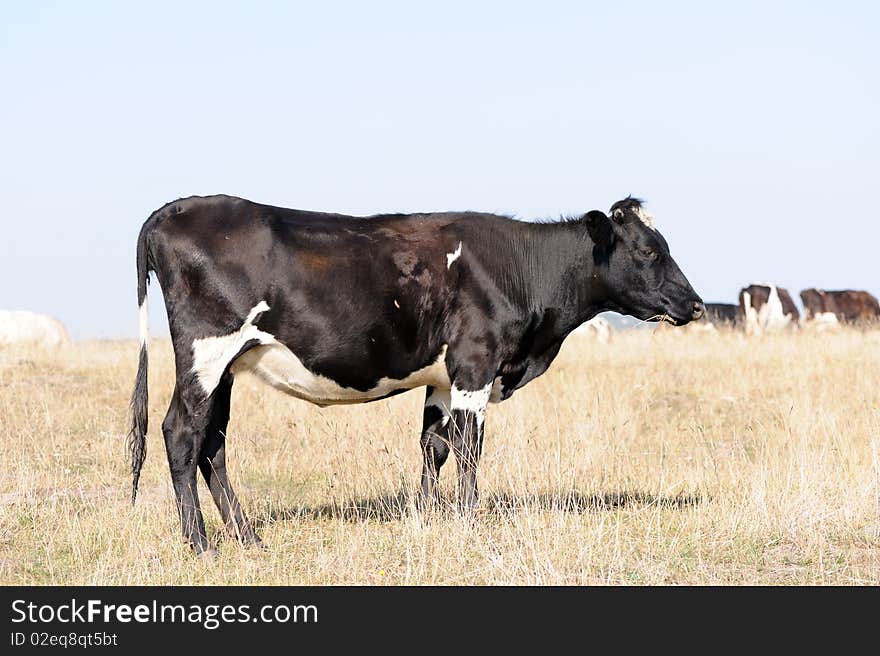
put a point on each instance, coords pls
(752, 129)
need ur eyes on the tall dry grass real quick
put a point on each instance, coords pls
(657, 458)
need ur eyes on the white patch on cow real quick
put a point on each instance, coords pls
(821, 322)
(645, 217)
(21, 326)
(472, 401)
(453, 256)
(276, 365)
(144, 322)
(441, 398)
(769, 317)
(211, 355)
(752, 327)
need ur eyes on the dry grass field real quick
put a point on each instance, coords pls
(661, 457)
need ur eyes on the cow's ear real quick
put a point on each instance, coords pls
(599, 228)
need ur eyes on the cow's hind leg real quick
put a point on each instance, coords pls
(213, 466)
(184, 432)
(435, 442)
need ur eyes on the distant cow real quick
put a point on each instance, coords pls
(847, 306)
(597, 327)
(722, 314)
(767, 308)
(20, 326)
(340, 309)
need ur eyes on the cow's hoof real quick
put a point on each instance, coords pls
(208, 555)
(425, 505)
(467, 512)
(248, 539)
(253, 543)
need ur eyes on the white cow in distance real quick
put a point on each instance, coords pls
(21, 327)
(597, 327)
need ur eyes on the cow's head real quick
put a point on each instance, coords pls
(634, 271)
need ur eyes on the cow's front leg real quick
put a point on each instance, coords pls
(468, 410)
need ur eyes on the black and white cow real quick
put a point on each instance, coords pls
(722, 314)
(339, 309)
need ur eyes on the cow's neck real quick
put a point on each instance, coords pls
(557, 270)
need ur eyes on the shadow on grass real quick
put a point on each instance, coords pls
(394, 507)
(382, 508)
(575, 502)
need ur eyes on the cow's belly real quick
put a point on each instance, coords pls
(279, 367)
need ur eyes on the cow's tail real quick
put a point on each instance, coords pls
(137, 436)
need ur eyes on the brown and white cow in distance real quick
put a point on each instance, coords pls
(767, 308)
(843, 306)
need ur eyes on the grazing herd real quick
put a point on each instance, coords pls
(764, 308)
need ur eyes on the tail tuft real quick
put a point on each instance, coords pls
(137, 436)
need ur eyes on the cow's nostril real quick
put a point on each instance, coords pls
(699, 309)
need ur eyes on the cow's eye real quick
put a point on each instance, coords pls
(648, 253)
